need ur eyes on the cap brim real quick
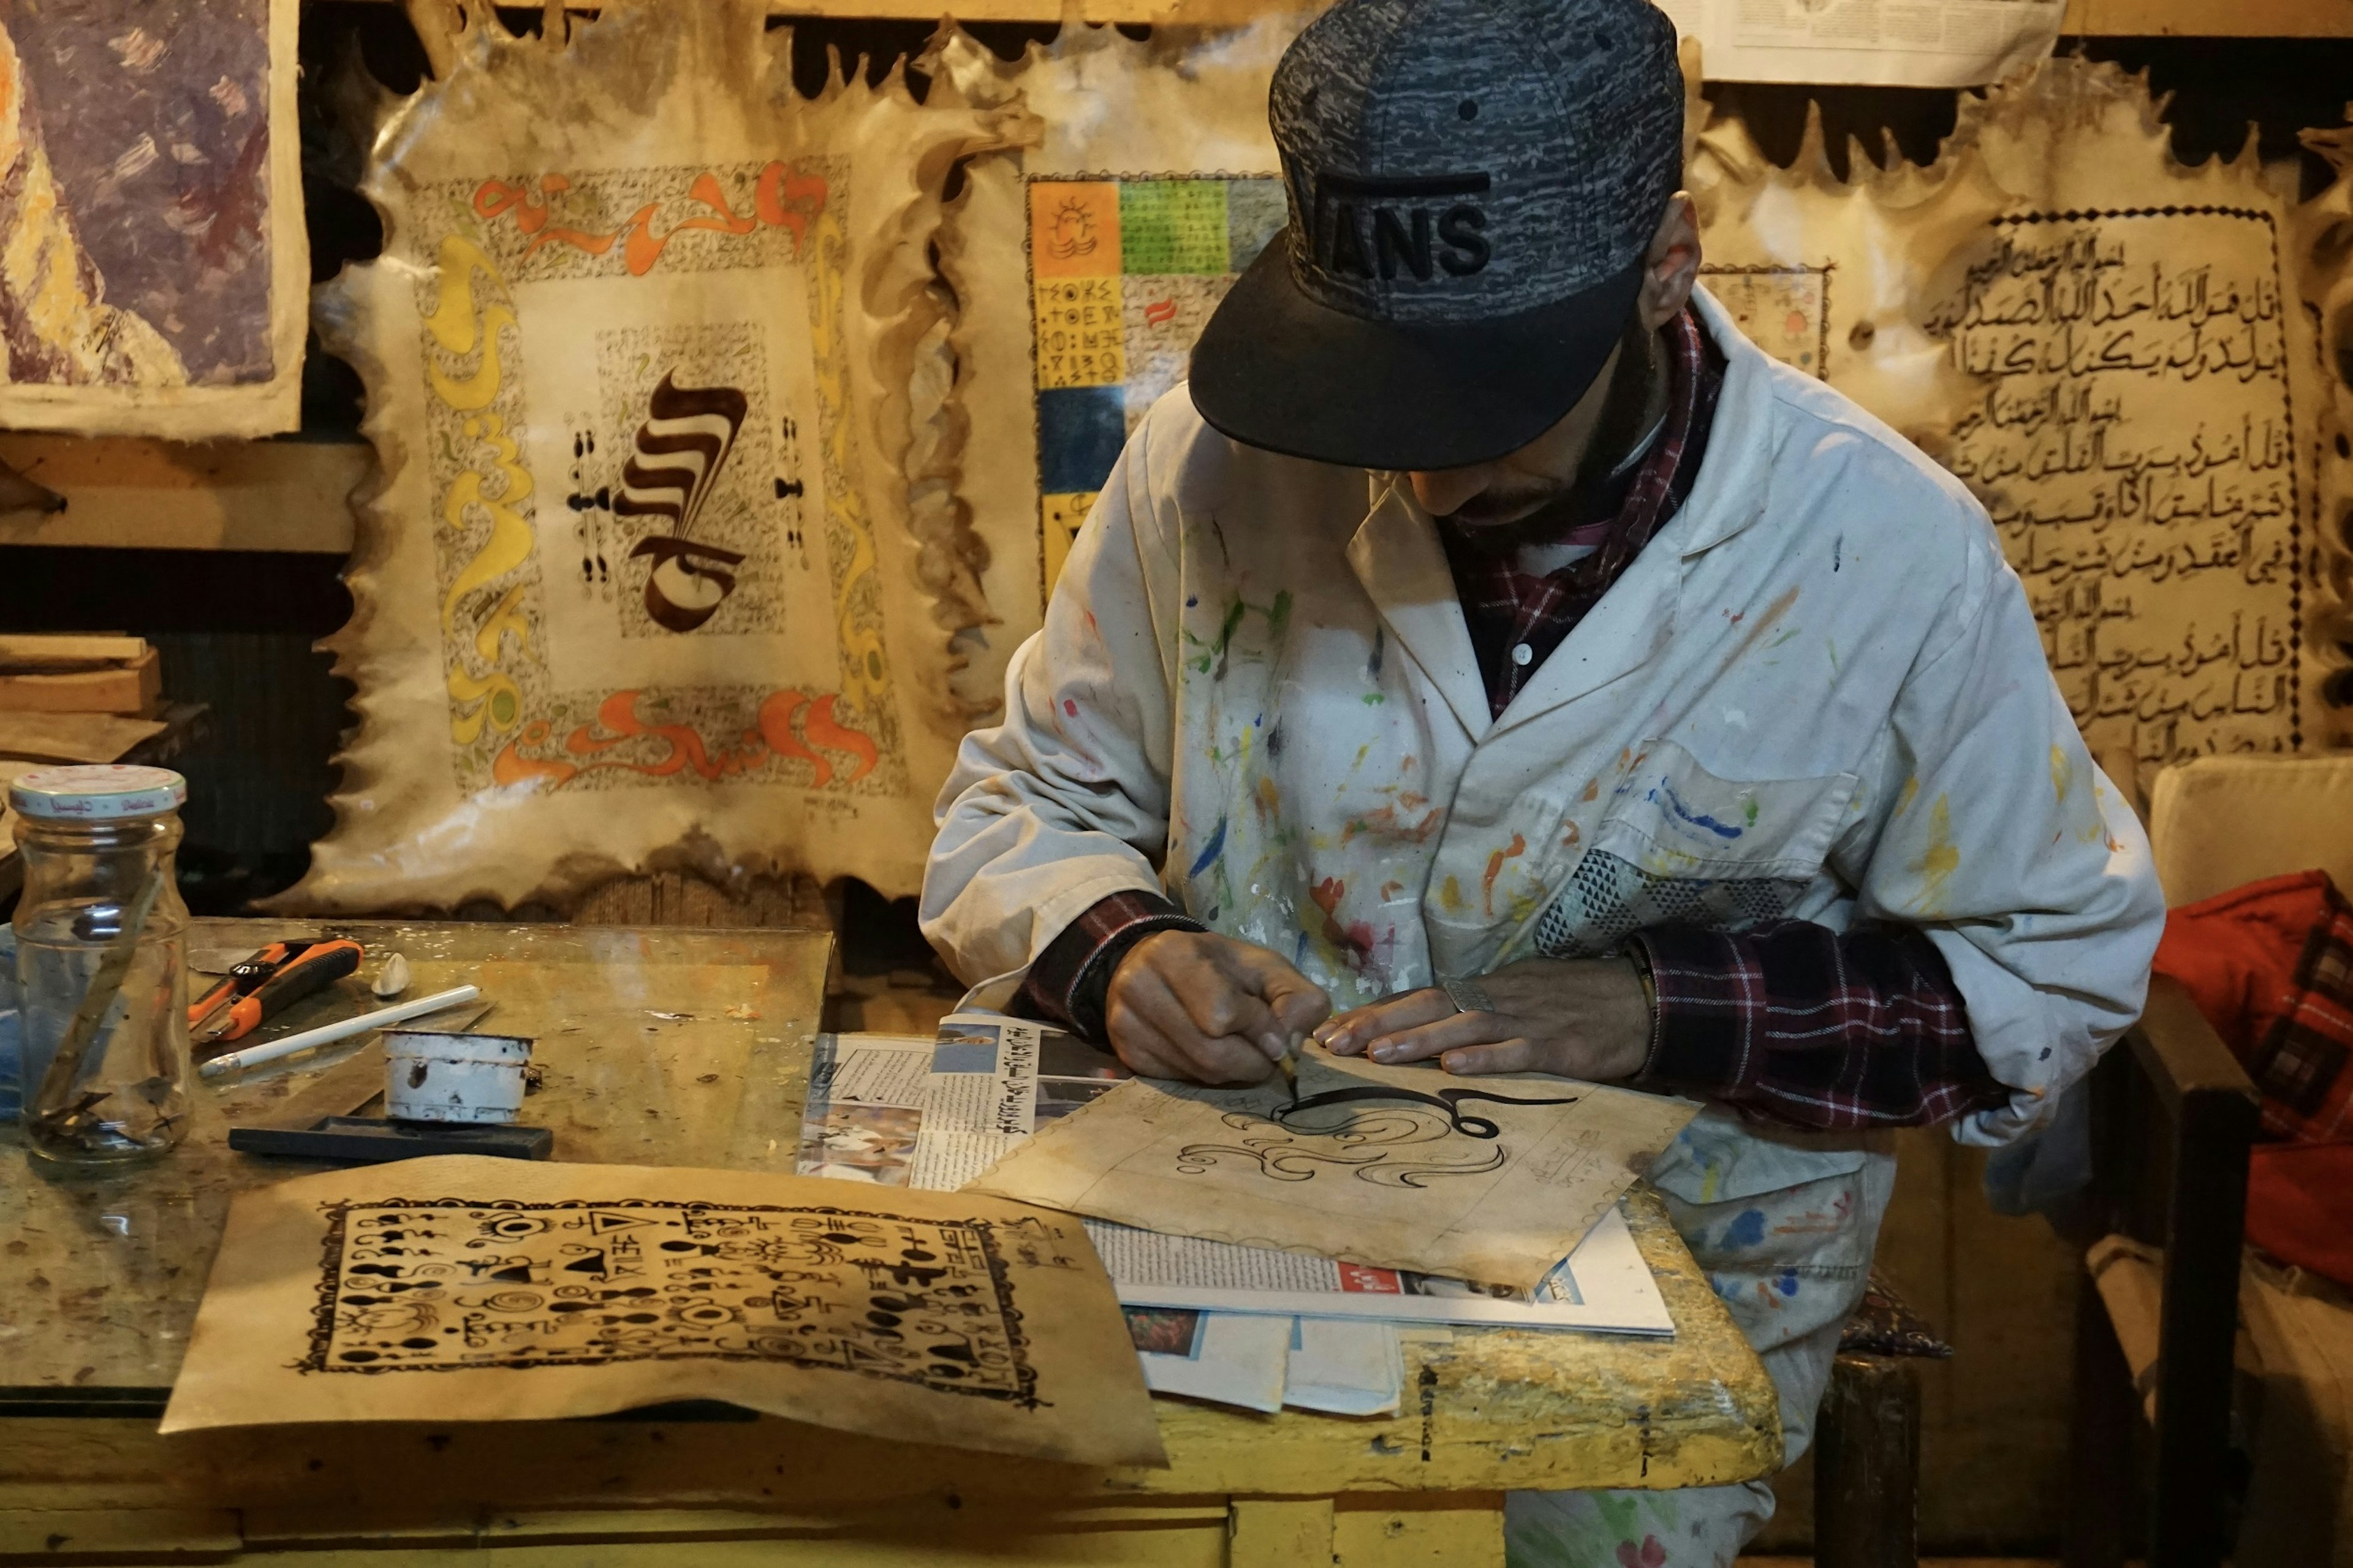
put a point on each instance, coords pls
(1276, 369)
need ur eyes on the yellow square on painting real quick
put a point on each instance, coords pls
(1081, 332)
(1074, 228)
(1060, 519)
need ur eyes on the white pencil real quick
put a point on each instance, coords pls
(327, 1034)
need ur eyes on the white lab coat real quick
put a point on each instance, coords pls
(1816, 694)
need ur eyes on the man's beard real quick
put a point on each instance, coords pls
(1507, 518)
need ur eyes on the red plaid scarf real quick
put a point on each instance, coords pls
(1509, 609)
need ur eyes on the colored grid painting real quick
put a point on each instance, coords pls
(1124, 272)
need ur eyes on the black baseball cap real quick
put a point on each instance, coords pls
(1472, 186)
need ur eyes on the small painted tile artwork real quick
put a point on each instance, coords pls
(1125, 274)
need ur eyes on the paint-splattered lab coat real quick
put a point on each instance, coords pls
(1816, 694)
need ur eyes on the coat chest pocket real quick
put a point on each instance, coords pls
(1678, 845)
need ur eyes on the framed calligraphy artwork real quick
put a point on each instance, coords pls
(500, 1290)
(150, 203)
(640, 583)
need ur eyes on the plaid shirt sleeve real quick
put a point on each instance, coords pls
(1068, 982)
(1818, 1029)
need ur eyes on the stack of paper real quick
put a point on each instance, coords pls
(1211, 1319)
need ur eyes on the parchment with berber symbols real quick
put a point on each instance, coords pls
(469, 1288)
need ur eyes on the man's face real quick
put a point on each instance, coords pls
(1488, 500)
(1493, 496)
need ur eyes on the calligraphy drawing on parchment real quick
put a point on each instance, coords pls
(2098, 342)
(1490, 1179)
(1088, 263)
(639, 584)
(489, 1290)
(157, 279)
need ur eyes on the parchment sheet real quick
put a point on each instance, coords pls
(1876, 43)
(638, 588)
(1488, 1179)
(2102, 343)
(466, 1288)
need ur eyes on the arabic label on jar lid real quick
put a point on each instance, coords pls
(104, 792)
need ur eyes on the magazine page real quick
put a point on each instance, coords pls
(1342, 1366)
(1230, 1358)
(865, 1107)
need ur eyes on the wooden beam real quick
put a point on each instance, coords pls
(2085, 18)
(124, 493)
(2209, 18)
(1159, 13)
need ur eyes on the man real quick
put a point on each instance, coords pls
(1494, 658)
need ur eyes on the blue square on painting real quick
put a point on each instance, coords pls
(1080, 432)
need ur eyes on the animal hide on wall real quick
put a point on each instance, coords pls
(154, 275)
(2323, 248)
(638, 585)
(1087, 265)
(2104, 344)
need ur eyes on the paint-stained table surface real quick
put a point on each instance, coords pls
(693, 1048)
(658, 1048)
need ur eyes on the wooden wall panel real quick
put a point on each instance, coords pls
(1994, 1419)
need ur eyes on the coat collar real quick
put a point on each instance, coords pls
(1402, 566)
(1399, 558)
(1736, 475)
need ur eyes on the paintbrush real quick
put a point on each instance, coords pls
(1289, 1063)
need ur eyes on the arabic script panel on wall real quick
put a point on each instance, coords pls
(2098, 340)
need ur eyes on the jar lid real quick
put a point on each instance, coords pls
(104, 792)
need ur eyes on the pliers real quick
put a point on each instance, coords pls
(263, 984)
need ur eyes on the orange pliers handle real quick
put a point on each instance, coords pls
(258, 988)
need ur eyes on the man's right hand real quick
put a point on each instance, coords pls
(1192, 1004)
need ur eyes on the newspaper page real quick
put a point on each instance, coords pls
(1215, 1320)
(904, 1110)
(1603, 1287)
(1877, 43)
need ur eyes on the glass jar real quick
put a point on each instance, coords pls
(101, 962)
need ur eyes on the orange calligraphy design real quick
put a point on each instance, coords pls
(780, 199)
(618, 722)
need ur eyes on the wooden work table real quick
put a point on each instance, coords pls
(692, 1047)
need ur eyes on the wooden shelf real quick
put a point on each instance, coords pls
(124, 493)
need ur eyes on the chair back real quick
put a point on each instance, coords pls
(2219, 822)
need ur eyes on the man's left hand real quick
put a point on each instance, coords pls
(1578, 1017)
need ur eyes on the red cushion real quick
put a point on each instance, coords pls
(2300, 1205)
(2271, 966)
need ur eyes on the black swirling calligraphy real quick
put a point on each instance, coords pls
(1388, 1136)
(686, 440)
